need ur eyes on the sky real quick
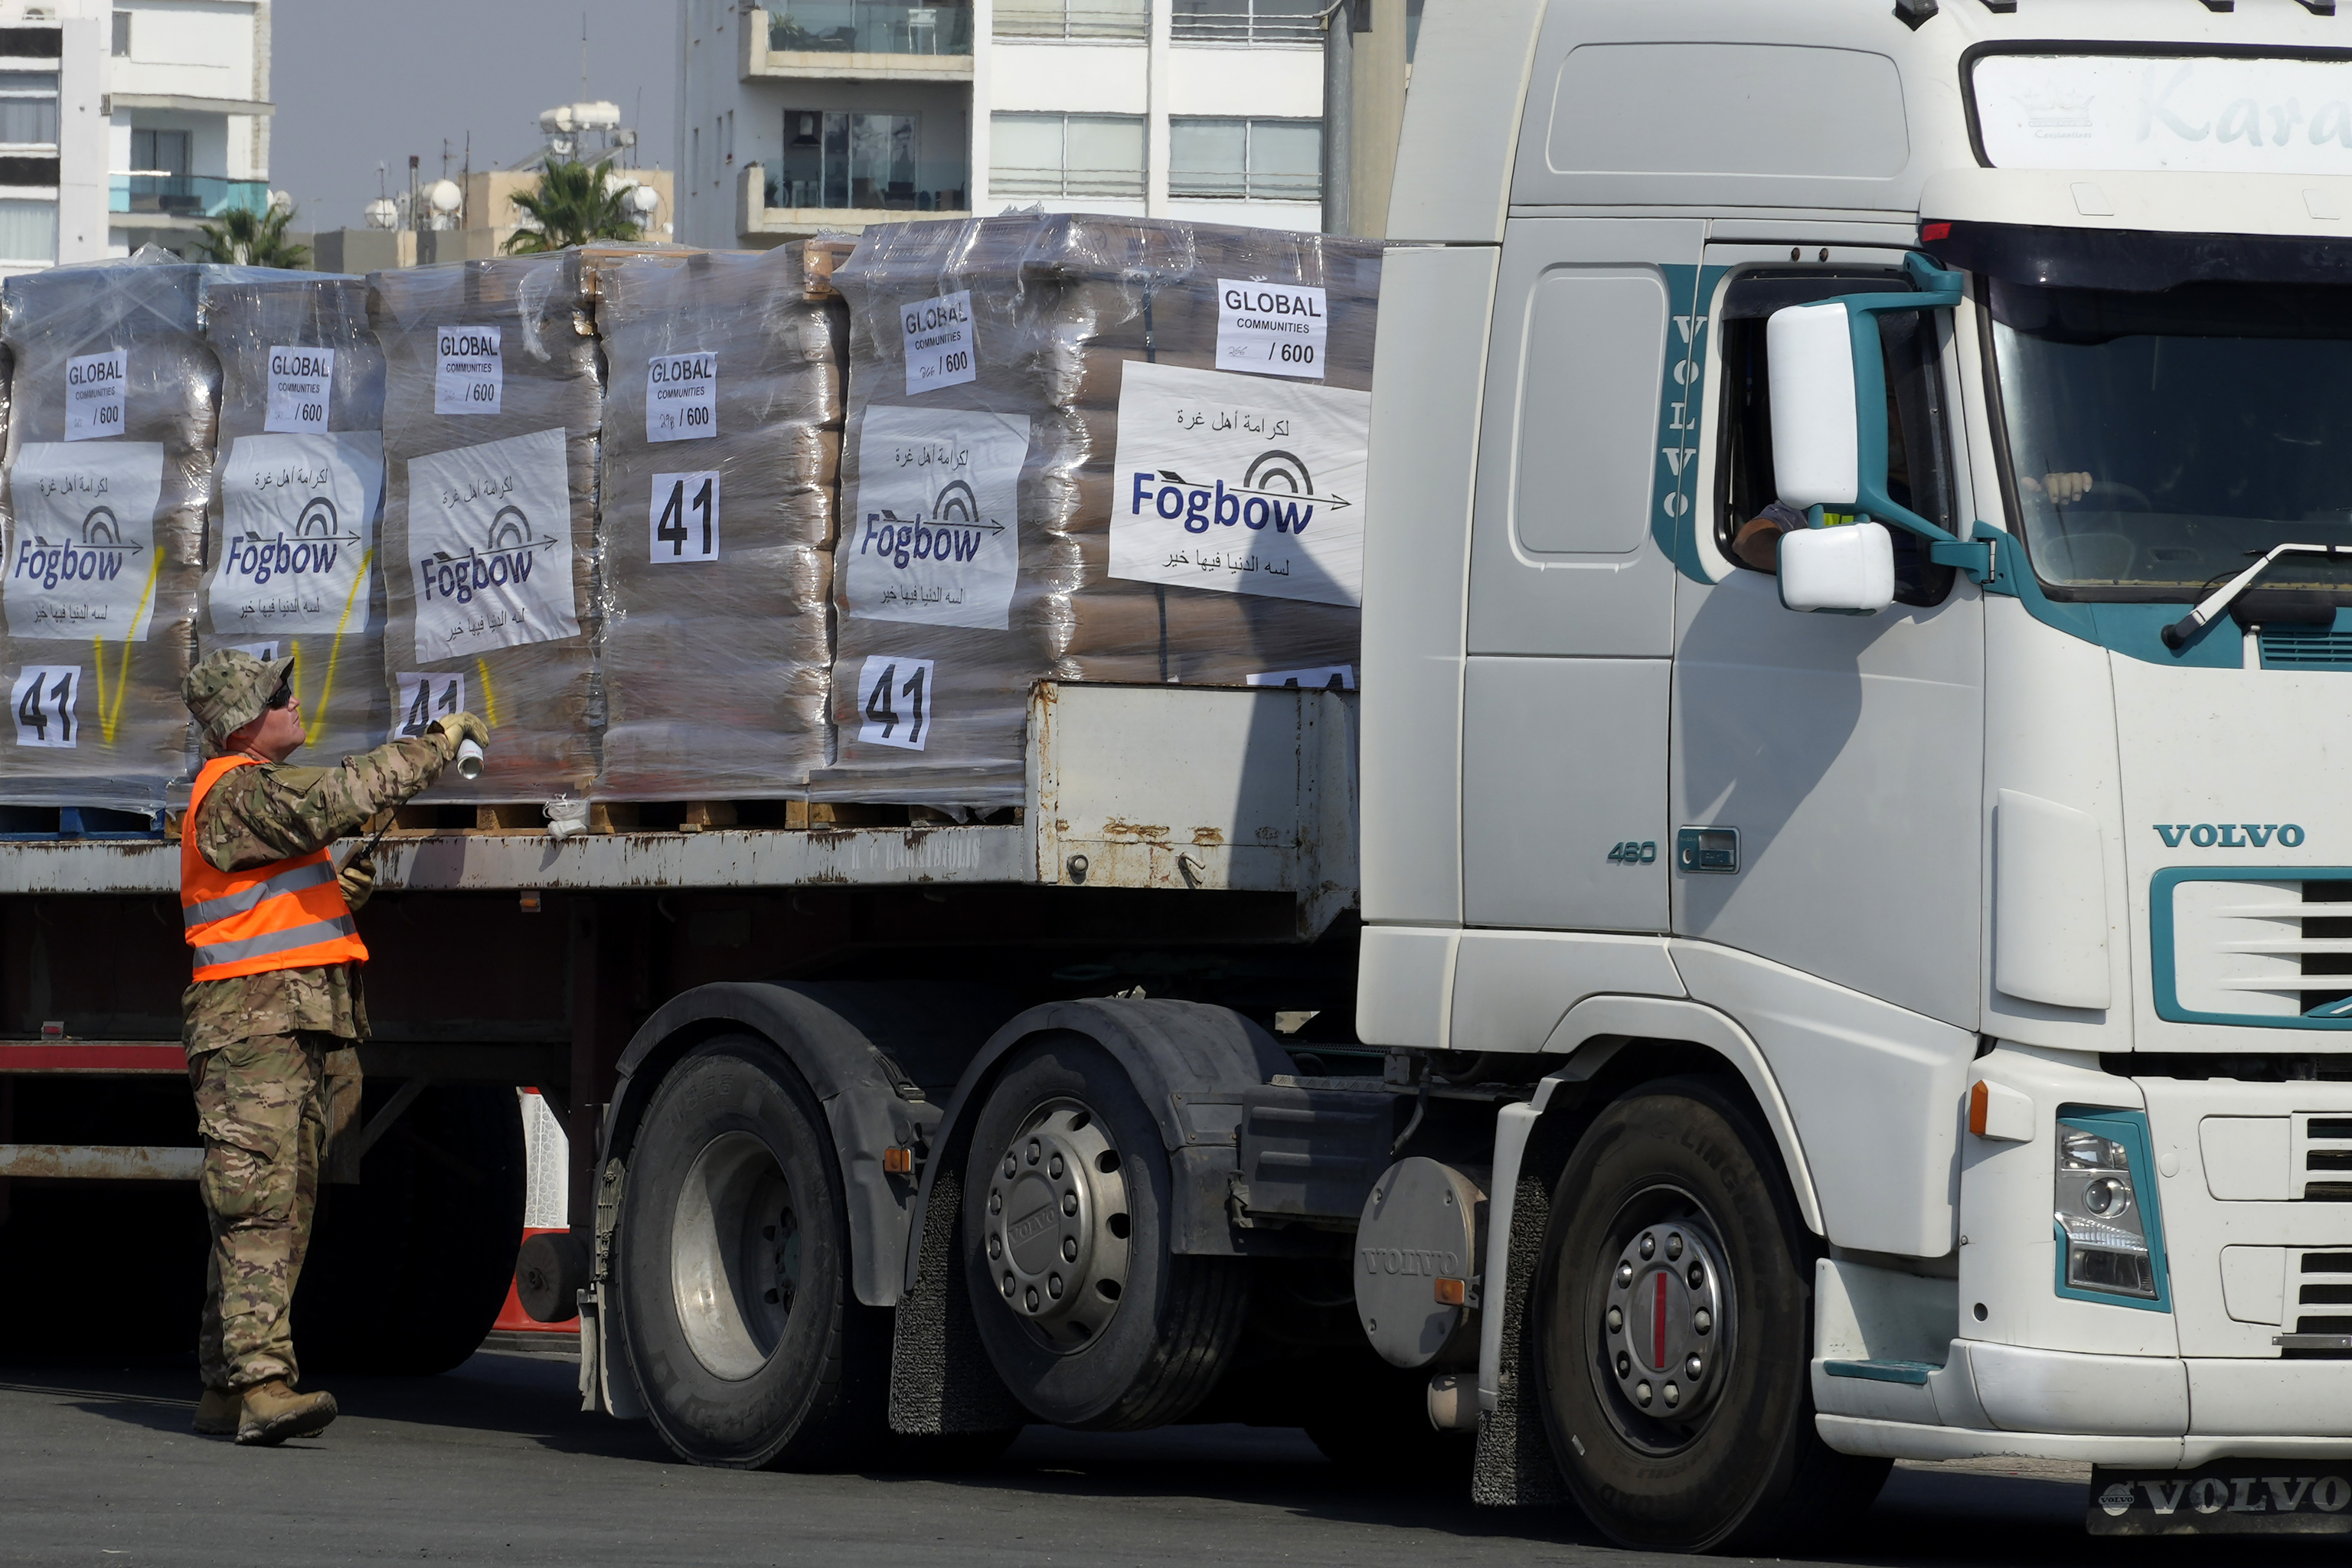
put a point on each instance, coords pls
(358, 84)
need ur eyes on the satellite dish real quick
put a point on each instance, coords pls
(383, 213)
(445, 196)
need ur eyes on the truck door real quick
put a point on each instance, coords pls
(1846, 751)
(1572, 579)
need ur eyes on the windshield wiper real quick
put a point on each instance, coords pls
(2177, 635)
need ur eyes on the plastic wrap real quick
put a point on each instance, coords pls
(493, 404)
(728, 372)
(295, 554)
(110, 457)
(1087, 448)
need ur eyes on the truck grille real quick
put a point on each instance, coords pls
(2328, 1172)
(2306, 649)
(2255, 951)
(2325, 1284)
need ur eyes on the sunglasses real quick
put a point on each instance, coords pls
(282, 696)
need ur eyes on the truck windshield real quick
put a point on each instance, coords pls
(2159, 440)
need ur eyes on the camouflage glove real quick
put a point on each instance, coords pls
(462, 727)
(357, 879)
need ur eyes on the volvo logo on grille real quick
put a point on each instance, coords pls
(2230, 835)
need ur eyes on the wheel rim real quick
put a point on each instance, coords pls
(1664, 1320)
(1057, 1224)
(735, 1256)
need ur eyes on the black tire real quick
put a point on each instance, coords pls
(408, 1270)
(1171, 1322)
(1680, 1167)
(733, 1300)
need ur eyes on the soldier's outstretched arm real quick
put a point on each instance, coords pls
(255, 816)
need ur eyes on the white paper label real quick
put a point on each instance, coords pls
(82, 560)
(1322, 677)
(299, 379)
(2195, 115)
(685, 518)
(1237, 488)
(298, 529)
(1271, 329)
(937, 535)
(94, 395)
(471, 377)
(894, 694)
(681, 397)
(43, 698)
(490, 546)
(424, 697)
(939, 350)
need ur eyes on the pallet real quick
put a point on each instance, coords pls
(611, 816)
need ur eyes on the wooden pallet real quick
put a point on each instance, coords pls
(606, 816)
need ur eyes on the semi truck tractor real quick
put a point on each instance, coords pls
(1813, 944)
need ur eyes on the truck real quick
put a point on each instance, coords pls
(1813, 944)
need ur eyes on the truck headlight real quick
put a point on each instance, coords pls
(2110, 1242)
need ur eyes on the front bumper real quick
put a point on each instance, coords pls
(2144, 1412)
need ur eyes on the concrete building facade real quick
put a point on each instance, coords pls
(831, 114)
(127, 123)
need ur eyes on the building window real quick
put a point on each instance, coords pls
(1083, 19)
(870, 27)
(28, 109)
(1067, 155)
(844, 159)
(1247, 21)
(122, 35)
(1251, 159)
(28, 231)
(159, 152)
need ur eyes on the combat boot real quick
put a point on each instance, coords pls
(274, 1411)
(217, 1413)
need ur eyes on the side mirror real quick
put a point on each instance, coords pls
(1816, 438)
(1846, 571)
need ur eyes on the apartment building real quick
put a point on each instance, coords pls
(128, 123)
(833, 114)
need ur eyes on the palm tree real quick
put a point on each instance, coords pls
(245, 238)
(574, 204)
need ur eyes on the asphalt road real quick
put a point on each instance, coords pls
(494, 1463)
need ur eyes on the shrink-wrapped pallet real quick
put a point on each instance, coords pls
(493, 404)
(1087, 448)
(294, 562)
(722, 435)
(110, 457)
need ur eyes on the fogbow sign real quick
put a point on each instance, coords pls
(2242, 1497)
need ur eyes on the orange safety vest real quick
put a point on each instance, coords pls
(289, 914)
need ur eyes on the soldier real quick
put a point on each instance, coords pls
(275, 1012)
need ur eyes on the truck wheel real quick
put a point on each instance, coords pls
(735, 1304)
(1087, 1318)
(1673, 1318)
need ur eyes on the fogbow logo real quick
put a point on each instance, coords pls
(1275, 491)
(96, 559)
(505, 557)
(2230, 835)
(312, 549)
(952, 529)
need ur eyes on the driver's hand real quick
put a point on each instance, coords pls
(2064, 489)
(357, 880)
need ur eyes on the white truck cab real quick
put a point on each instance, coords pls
(1973, 868)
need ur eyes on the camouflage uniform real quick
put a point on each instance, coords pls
(272, 1056)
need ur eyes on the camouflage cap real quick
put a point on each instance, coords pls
(229, 689)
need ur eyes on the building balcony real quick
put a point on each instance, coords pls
(858, 40)
(191, 198)
(773, 205)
